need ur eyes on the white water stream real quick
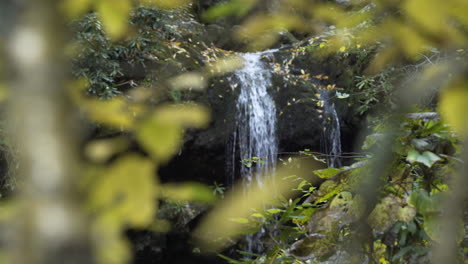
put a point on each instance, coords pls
(255, 119)
(255, 135)
(331, 135)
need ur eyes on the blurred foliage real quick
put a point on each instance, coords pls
(124, 192)
(121, 187)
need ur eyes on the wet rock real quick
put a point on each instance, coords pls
(314, 246)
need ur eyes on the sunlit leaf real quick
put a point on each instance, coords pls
(112, 246)
(160, 139)
(103, 149)
(185, 115)
(234, 7)
(114, 15)
(427, 158)
(225, 65)
(258, 215)
(454, 106)
(262, 31)
(115, 113)
(327, 173)
(75, 8)
(328, 12)
(189, 80)
(274, 211)
(161, 133)
(192, 192)
(126, 192)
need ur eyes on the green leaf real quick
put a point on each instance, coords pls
(412, 156)
(424, 203)
(327, 173)
(420, 144)
(427, 158)
(302, 185)
(235, 7)
(434, 228)
(401, 253)
(297, 216)
(258, 215)
(341, 95)
(274, 211)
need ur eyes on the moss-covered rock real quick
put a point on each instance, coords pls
(388, 212)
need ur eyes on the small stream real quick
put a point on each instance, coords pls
(331, 133)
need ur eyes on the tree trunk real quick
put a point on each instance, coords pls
(50, 227)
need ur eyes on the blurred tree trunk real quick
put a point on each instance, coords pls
(50, 227)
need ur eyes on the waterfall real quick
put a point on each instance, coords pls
(331, 135)
(255, 133)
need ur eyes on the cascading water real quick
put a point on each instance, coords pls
(254, 135)
(331, 135)
(255, 132)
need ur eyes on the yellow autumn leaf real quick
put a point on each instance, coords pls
(112, 247)
(103, 149)
(75, 8)
(114, 15)
(126, 192)
(262, 30)
(223, 66)
(189, 191)
(454, 106)
(188, 80)
(343, 49)
(161, 133)
(161, 140)
(428, 13)
(185, 115)
(116, 113)
(410, 40)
